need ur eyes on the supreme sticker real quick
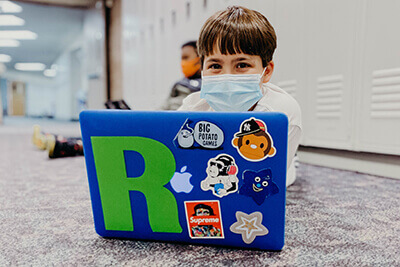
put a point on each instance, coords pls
(204, 219)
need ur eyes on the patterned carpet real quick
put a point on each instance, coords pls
(334, 217)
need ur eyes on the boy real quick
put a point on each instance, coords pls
(236, 46)
(191, 83)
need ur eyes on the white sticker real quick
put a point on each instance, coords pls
(208, 135)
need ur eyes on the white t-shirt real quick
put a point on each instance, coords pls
(274, 99)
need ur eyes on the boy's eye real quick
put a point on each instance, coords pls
(215, 66)
(242, 65)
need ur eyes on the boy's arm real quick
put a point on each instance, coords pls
(193, 102)
(294, 137)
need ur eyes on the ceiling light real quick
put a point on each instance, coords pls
(20, 35)
(30, 66)
(11, 20)
(9, 7)
(5, 58)
(9, 43)
(50, 73)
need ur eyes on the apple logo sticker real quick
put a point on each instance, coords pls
(180, 182)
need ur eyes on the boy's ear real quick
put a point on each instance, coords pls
(268, 72)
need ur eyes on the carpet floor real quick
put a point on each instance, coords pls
(333, 217)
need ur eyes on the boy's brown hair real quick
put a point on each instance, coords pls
(237, 30)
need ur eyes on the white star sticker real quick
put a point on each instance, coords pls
(249, 226)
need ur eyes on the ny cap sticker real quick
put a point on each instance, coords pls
(253, 142)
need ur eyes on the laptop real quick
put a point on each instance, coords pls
(194, 177)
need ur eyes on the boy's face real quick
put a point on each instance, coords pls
(217, 64)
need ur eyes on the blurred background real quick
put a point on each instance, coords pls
(339, 59)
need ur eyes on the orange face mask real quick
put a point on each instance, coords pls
(190, 67)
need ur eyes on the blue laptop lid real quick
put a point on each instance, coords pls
(202, 178)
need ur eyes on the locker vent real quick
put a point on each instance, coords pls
(329, 96)
(289, 87)
(385, 97)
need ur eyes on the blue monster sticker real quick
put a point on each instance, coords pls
(258, 185)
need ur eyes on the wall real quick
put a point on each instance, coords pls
(40, 99)
(3, 96)
(115, 35)
(80, 72)
(82, 68)
(40, 92)
(94, 78)
(339, 59)
(68, 81)
(63, 88)
(54, 96)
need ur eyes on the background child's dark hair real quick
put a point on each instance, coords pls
(190, 43)
(237, 30)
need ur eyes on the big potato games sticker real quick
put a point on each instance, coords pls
(202, 134)
(204, 219)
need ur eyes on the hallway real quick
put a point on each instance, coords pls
(333, 217)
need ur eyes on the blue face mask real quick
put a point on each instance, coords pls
(231, 92)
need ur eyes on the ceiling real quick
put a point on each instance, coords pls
(64, 3)
(56, 27)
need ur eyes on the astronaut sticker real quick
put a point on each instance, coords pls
(221, 176)
(204, 134)
(253, 142)
(258, 185)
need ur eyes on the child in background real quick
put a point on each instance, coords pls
(236, 47)
(59, 146)
(190, 64)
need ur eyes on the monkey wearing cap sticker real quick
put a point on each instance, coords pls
(253, 142)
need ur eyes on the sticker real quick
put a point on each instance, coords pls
(114, 185)
(258, 185)
(204, 135)
(180, 182)
(185, 136)
(253, 142)
(249, 226)
(208, 135)
(221, 176)
(204, 219)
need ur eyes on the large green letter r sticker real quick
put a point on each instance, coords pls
(114, 185)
